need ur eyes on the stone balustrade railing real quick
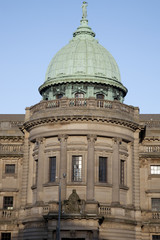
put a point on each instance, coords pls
(156, 215)
(150, 149)
(105, 211)
(8, 214)
(90, 103)
(11, 149)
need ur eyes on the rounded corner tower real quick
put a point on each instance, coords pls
(81, 149)
(83, 68)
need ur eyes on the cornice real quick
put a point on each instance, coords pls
(12, 138)
(29, 125)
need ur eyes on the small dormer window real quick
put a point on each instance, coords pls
(58, 96)
(79, 95)
(100, 96)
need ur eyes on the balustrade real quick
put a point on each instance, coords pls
(11, 148)
(82, 102)
(151, 149)
(156, 215)
(104, 210)
(8, 214)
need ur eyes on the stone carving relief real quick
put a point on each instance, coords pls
(74, 205)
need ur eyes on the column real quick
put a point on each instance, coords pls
(90, 167)
(116, 172)
(63, 164)
(40, 177)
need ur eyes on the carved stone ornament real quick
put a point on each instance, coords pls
(74, 205)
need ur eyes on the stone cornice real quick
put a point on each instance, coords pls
(41, 121)
(12, 138)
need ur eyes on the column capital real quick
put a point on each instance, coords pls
(117, 140)
(91, 138)
(130, 144)
(62, 137)
(40, 140)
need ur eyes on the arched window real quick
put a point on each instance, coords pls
(100, 96)
(58, 96)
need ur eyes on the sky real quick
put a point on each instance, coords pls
(33, 31)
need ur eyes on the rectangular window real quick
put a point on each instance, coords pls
(155, 204)
(122, 172)
(76, 168)
(10, 168)
(8, 203)
(155, 169)
(52, 169)
(155, 237)
(5, 236)
(102, 169)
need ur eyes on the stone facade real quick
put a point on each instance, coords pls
(80, 164)
(122, 207)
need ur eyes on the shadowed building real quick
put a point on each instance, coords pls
(81, 139)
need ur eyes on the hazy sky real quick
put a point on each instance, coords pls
(32, 31)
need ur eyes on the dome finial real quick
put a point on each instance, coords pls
(84, 10)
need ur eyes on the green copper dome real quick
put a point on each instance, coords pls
(82, 60)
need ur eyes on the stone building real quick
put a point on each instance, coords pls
(80, 162)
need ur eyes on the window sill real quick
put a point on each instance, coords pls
(49, 184)
(123, 187)
(154, 176)
(101, 184)
(76, 183)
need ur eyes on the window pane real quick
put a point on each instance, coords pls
(102, 169)
(5, 236)
(76, 168)
(8, 203)
(154, 237)
(156, 204)
(122, 172)
(52, 169)
(155, 169)
(10, 168)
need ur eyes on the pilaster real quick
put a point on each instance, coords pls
(40, 179)
(63, 164)
(116, 172)
(90, 167)
(136, 171)
(130, 173)
(25, 169)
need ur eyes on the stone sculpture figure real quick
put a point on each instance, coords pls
(84, 9)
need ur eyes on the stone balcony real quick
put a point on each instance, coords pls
(89, 109)
(8, 215)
